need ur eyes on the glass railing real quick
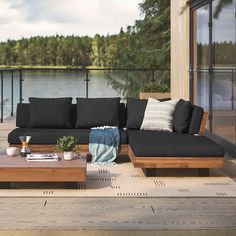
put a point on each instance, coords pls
(17, 85)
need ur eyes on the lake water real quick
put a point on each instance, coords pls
(72, 84)
(58, 84)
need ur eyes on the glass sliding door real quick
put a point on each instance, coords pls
(224, 59)
(213, 66)
(200, 70)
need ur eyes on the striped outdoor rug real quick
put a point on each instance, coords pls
(124, 180)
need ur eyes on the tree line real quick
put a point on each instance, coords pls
(145, 44)
(47, 51)
(223, 53)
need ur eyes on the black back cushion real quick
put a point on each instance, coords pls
(93, 112)
(122, 115)
(135, 109)
(182, 116)
(22, 115)
(50, 113)
(196, 119)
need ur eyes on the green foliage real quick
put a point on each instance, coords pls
(153, 33)
(155, 86)
(68, 144)
(220, 5)
(47, 51)
(143, 45)
(224, 53)
(146, 44)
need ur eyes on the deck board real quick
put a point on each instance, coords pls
(115, 213)
(102, 216)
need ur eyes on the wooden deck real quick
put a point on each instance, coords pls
(104, 216)
(118, 213)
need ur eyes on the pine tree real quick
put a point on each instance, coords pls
(145, 45)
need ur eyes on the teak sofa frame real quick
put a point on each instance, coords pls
(149, 164)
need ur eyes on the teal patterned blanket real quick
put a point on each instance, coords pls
(104, 144)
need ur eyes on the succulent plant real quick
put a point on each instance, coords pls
(68, 144)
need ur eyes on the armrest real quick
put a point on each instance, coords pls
(203, 123)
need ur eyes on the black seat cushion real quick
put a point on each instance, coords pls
(196, 119)
(50, 136)
(182, 116)
(93, 112)
(135, 112)
(50, 113)
(166, 144)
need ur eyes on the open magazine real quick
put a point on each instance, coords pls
(42, 157)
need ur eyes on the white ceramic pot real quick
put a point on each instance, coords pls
(68, 156)
(12, 151)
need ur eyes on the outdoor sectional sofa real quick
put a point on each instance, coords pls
(48, 119)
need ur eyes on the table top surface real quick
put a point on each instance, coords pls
(20, 162)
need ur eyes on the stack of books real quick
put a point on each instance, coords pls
(42, 157)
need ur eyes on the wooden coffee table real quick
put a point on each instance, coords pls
(17, 169)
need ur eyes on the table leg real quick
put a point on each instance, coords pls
(5, 185)
(203, 172)
(71, 185)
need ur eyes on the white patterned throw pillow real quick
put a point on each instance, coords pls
(159, 115)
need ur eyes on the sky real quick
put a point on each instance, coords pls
(223, 26)
(26, 18)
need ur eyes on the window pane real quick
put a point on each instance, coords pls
(201, 77)
(224, 48)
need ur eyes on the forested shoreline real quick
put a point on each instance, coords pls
(146, 44)
(223, 53)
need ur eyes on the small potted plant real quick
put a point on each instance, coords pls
(68, 145)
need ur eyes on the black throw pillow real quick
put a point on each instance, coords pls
(50, 112)
(182, 116)
(196, 120)
(22, 115)
(135, 109)
(92, 112)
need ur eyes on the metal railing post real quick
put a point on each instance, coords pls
(86, 83)
(1, 96)
(12, 92)
(20, 87)
(232, 91)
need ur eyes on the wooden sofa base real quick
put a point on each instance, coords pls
(151, 172)
(52, 148)
(150, 164)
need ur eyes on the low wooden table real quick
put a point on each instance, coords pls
(17, 169)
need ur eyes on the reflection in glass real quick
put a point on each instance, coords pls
(223, 84)
(201, 47)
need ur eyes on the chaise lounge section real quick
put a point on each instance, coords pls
(156, 149)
